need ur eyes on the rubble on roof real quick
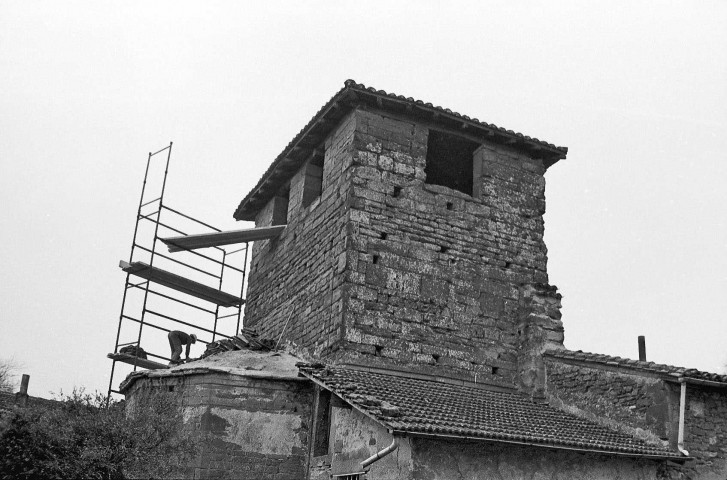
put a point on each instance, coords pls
(247, 339)
(134, 351)
(263, 364)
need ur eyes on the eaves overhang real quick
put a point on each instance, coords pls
(668, 373)
(308, 142)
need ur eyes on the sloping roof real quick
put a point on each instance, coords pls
(670, 372)
(354, 95)
(422, 407)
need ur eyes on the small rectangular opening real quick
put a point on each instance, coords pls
(280, 207)
(323, 420)
(313, 182)
(450, 161)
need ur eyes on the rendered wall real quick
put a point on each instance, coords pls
(355, 437)
(445, 460)
(253, 429)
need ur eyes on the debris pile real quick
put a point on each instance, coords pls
(247, 339)
(134, 351)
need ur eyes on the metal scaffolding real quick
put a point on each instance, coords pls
(184, 289)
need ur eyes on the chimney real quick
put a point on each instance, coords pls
(642, 348)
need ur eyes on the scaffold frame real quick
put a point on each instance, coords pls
(185, 292)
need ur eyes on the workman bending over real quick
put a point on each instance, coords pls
(176, 340)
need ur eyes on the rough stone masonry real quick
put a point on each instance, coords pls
(387, 266)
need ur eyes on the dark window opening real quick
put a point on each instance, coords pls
(449, 161)
(280, 207)
(323, 423)
(450, 205)
(378, 349)
(397, 191)
(384, 235)
(443, 249)
(495, 370)
(313, 181)
(375, 259)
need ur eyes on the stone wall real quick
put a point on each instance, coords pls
(646, 406)
(252, 429)
(296, 278)
(438, 278)
(705, 433)
(387, 269)
(637, 401)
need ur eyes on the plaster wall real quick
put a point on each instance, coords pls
(458, 460)
(355, 437)
(249, 428)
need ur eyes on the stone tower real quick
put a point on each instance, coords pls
(414, 240)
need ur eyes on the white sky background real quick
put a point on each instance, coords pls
(635, 227)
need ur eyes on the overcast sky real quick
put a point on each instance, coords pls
(635, 222)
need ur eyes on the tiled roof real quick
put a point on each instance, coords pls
(354, 94)
(417, 406)
(650, 367)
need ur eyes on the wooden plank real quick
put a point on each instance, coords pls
(216, 239)
(139, 362)
(181, 284)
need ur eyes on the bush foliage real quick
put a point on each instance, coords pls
(80, 437)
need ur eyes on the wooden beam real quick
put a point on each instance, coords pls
(181, 284)
(216, 239)
(139, 362)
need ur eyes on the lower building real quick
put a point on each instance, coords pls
(269, 415)
(409, 273)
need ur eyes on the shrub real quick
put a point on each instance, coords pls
(81, 437)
